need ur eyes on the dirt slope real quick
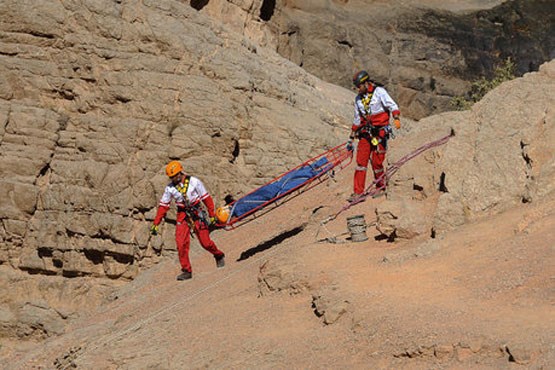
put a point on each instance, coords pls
(480, 297)
(480, 294)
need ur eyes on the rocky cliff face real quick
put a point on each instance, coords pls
(426, 52)
(98, 95)
(95, 98)
(501, 156)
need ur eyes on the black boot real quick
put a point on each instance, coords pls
(185, 275)
(220, 260)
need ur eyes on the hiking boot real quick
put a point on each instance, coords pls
(185, 275)
(220, 260)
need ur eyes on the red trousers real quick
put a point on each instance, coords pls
(366, 152)
(183, 240)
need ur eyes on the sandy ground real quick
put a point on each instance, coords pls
(479, 297)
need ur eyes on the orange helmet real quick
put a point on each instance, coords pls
(173, 168)
(222, 214)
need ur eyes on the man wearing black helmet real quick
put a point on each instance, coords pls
(373, 108)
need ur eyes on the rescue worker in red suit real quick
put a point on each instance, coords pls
(188, 193)
(373, 108)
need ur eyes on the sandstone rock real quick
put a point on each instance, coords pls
(408, 46)
(157, 243)
(31, 261)
(15, 228)
(113, 269)
(37, 318)
(472, 175)
(450, 213)
(7, 319)
(76, 264)
(274, 278)
(402, 219)
(17, 200)
(4, 255)
(329, 305)
(522, 355)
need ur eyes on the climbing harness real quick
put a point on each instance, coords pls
(193, 211)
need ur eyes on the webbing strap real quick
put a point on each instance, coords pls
(183, 189)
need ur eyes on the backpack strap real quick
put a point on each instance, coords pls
(366, 103)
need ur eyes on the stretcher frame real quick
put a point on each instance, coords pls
(337, 157)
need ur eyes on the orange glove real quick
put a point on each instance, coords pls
(397, 123)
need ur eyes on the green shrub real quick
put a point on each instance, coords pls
(480, 87)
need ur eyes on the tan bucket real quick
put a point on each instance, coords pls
(357, 228)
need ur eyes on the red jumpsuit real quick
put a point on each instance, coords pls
(187, 196)
(372, 110)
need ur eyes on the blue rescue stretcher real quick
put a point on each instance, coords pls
(287, 186)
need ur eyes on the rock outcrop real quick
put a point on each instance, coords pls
(97, 96)
(426, 52)
(96, 99)
(501, 156)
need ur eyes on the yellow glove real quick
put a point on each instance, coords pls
(154, 230)
(212, 220)
(397, 123)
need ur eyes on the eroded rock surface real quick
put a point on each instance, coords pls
(98, 96)
(426, 51)
(500, 157)
(95, 98)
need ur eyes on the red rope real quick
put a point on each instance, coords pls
(372, 189)
(338, 158)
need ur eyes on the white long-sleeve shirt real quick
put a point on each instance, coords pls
(374, 107)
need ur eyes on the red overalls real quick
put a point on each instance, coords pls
(183, 239)
(371, 122)
(188, 196)
(366, 151)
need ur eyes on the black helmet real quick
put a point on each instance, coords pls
(360, 77)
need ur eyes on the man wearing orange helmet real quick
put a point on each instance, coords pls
(188, 193)
(373, 107)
